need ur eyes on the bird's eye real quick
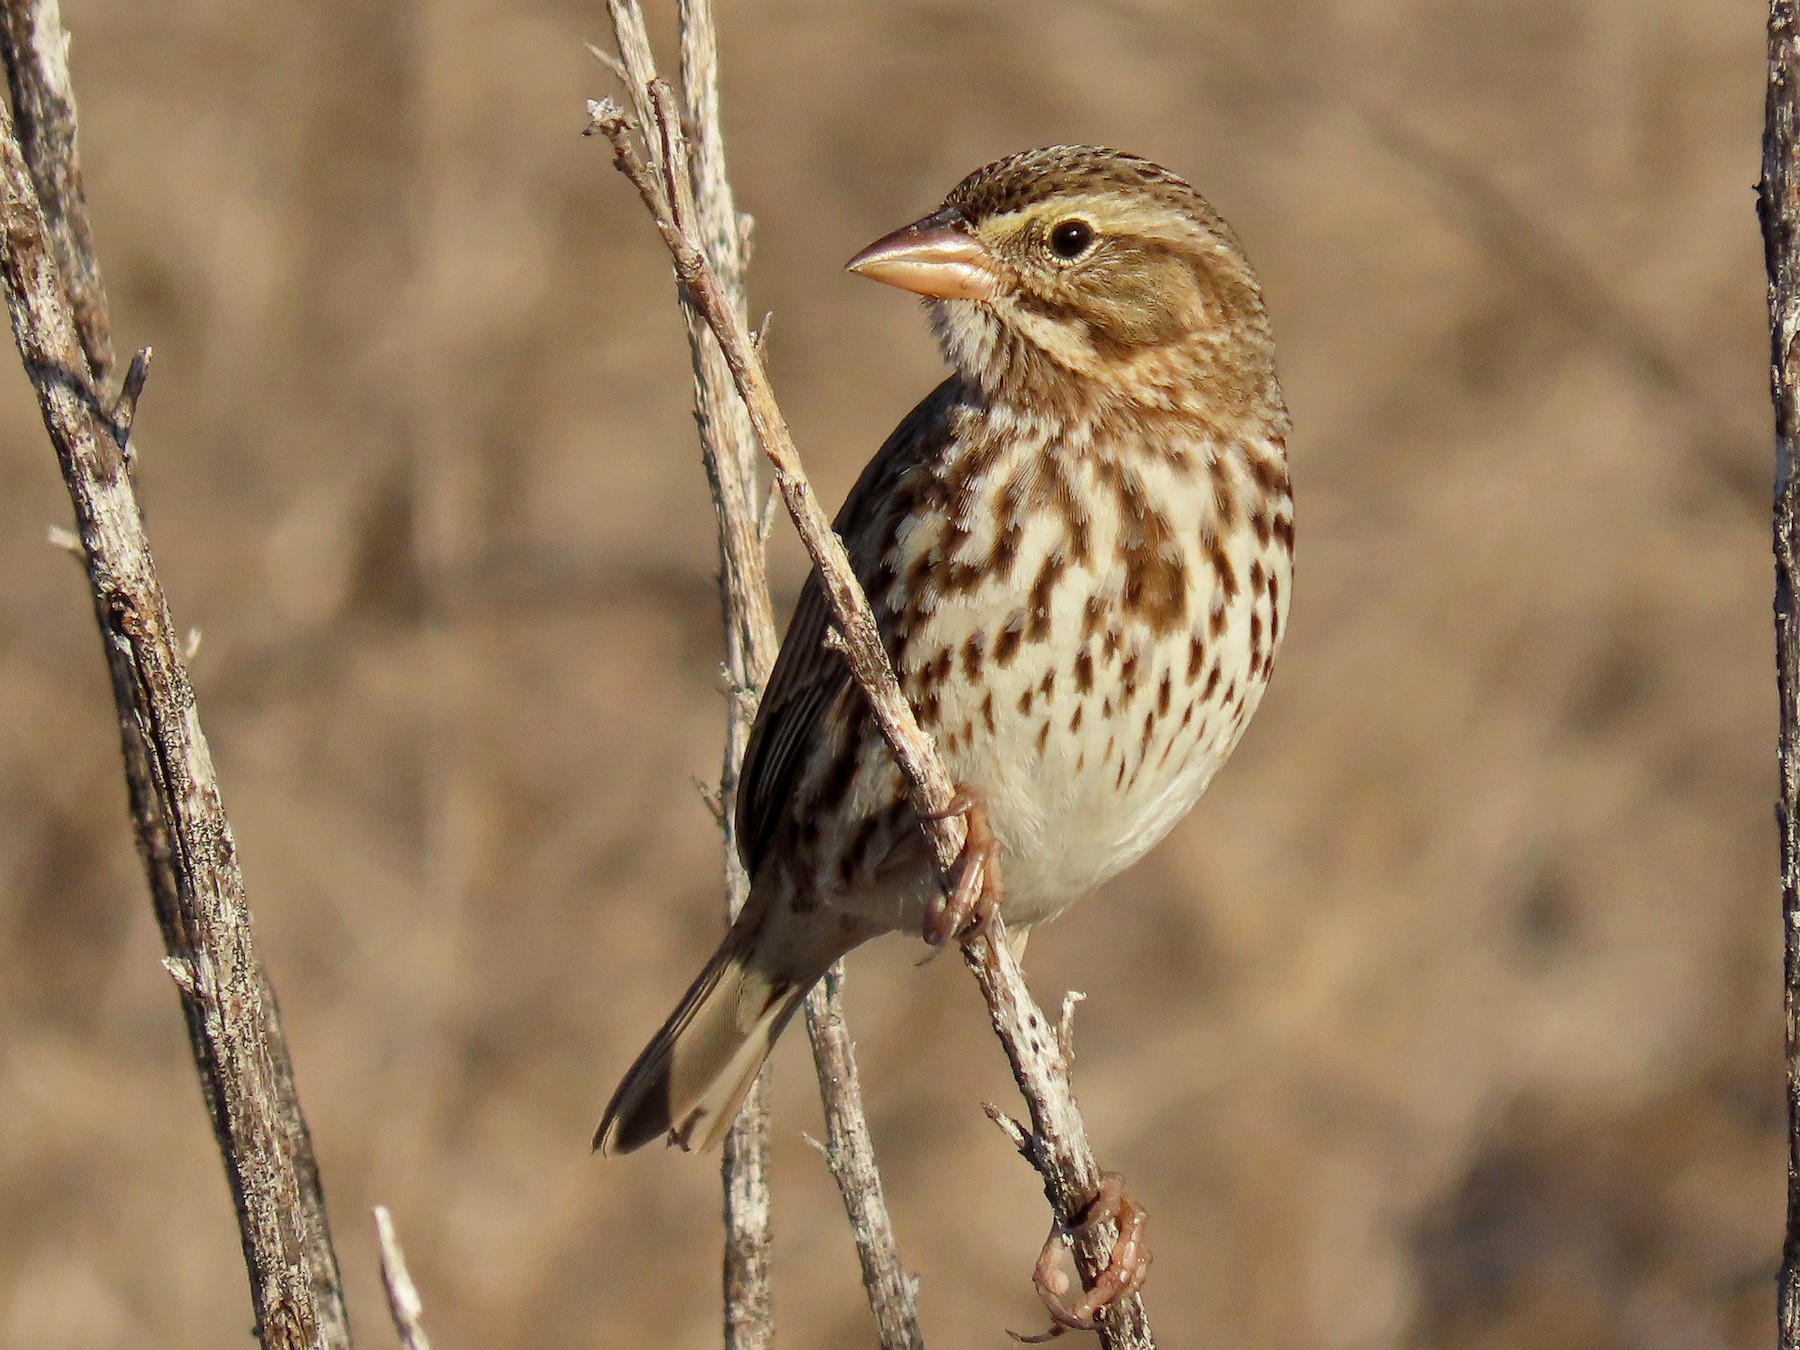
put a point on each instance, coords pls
(1070, 239)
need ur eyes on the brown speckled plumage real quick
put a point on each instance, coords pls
(1079, 550)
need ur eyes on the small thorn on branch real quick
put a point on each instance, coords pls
(68, 541)
(771, 512)
(1011, 1128)
(713, 801)
(124, 410)
(1065, 1026)
(186, 977)
(612, 63)
(404, 1304)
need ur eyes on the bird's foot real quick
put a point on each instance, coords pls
(967, 909)
(1126, 1268)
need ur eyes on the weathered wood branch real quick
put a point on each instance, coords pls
(36, 51)
(59, 316)
(728, 453)
(731, 459)
(1057, 1143)
(850, 1154)
(1778, 204)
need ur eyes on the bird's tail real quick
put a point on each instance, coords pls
(694, 1075)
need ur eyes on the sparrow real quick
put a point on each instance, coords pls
(1079, 551)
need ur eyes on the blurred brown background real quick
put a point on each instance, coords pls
(1450, 1019)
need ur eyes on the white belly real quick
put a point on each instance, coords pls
(1080, 784)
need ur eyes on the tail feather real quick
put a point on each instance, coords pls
(694, 1075)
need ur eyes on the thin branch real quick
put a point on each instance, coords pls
(404, 1304)
(1778, 204)
(36, 51)
(863, 651)
(851, 1157)
(731, 459)
(1060, 1147)
(58, 313)
(728, 453)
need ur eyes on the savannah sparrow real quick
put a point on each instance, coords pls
(1079, 549)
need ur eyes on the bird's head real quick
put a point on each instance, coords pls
(1077, 261)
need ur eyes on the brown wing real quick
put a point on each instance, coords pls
(808, 679)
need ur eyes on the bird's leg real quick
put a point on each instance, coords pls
(975, 892)
(1126, 1268)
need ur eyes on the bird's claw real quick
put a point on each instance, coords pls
(967, 909)
(1127, 1266)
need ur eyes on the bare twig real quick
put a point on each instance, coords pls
(664, 194)
(404, 1303)
(728, 452)
(1060, 1149)
(58, 313)
(749, 621)
(1778, 203)
(851, 1158)
(36, 50)
(731, 458)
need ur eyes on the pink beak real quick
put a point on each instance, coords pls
(938, 256)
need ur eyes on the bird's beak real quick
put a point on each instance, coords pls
(938, 256)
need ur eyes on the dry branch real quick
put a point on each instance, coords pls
(404, 1304)
(730, 455)
(1778, 204)
(36, 51)
(850, 1154)
(59, 317)
(1057, 1142)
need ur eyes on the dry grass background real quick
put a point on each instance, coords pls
(1449, 1020)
